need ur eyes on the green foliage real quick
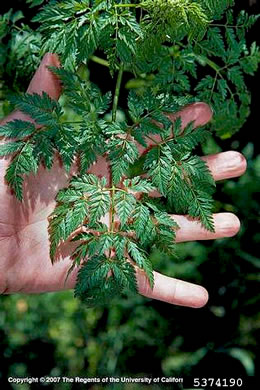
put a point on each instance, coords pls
(163, 44)
(34, 3)
(176, 18)
(82, 206)
(19, 48)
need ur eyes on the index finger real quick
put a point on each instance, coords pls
(43, 81)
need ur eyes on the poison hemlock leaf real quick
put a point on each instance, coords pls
(164, 44)
(44, 110)
(17, 129)
(101, 279)
(22, 164)
(158, 162)
(124, 205)
(64, 221)
(10, 148)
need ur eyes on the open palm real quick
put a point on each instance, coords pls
(25, 263)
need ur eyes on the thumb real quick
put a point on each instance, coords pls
(43, 81)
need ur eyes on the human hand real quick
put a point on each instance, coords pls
(25, 265)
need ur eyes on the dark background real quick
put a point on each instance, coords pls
(51, 334)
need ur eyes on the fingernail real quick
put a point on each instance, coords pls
(230, 164)
(202, 297)
(227, 223)
(191, 295)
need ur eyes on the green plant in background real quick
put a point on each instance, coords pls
(19, 49)
(162, 43)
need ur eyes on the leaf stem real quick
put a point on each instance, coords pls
(225, 25)
(117, 91)
(69, 122)
(114, 189)
(112, 211)
(153, 140)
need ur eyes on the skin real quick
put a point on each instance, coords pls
(25, 265)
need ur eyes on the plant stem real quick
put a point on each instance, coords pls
(213, 86)
(126, 5)
(117, 91)
(99, 60)
(68, 122)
